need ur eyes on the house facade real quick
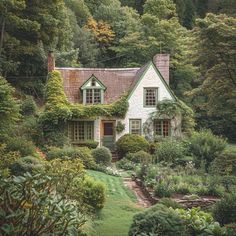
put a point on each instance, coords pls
(144, 88)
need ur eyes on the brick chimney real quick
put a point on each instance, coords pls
(51, 61)
(162, 62)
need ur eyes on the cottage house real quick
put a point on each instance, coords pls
(144, 87)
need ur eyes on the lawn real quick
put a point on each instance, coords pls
(116, 217)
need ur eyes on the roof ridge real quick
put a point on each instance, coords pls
(99, 69)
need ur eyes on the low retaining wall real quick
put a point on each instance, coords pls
(187, 203)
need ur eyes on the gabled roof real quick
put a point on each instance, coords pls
(93, 77)
(117, 81)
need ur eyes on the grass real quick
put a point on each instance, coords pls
(116, 216)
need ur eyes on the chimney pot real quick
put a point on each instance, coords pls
(51, 61)
(162, 62)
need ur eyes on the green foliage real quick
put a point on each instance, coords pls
(125, 164)
(157, 220)
(9, 108)
(70, 153)
(19, 201)
(170, 151)
(139, 157)
(168, 202)
(230, 229)
(205, 147)
(28, 106)
(131, 143)
(162, 189)
(21, 145)
(224, 210)
(102, 156)
(26, 164)
(120, 127)
(224, 164)
(93, 193)
(199, 222)
(91, 144)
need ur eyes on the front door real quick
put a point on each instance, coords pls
(108, 134)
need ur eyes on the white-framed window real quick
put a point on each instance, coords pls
(93, 96)
(150, 97)
(135, 126)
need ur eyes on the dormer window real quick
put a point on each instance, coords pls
(93, 91)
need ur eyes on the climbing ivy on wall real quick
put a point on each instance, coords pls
(58, 110)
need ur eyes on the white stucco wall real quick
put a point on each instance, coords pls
(136, 107)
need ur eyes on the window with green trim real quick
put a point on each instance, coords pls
(150, 97)
(79, 131)
(93, 96)
(161, 127)
(135, 126)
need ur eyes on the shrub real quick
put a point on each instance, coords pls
(91, 144)
(225, 210)
(182, 188)
(102, 155)
(228, 181)
(139, 157)
(169, 151)
(21, 145)
(28, 106)
(32, 199)
(157, 220)
(199, 223)
(93, 193)
(162, 190)
(81, 153)
(205, 147)
(230, 229)
(26, 164)
(125, 164)
(224, 164)
(131, 143)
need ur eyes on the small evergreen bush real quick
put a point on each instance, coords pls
(169, 151)
(102, 155)
(157, 220)
(139, 157)
(205, 147)
(93, 193)
(225, 209)
(131, 143)
(21, 145)
(26, 164)
(28, 106)
(81, 153)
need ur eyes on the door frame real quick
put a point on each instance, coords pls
(102, 129)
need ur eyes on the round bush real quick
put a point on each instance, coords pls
(225, 210)
(102, 155)
(169, 151)
(131, 143)
(81, 153)
(21, 145)
(157, 220)
(26, 164)
(139, 157)
(93, 193)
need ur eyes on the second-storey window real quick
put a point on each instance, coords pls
(150, 97)
(93, 96)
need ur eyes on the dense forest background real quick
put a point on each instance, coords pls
(200, 36)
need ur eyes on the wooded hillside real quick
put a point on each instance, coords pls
(199, 35)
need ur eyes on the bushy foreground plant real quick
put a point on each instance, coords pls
(26, 164)
(21, 145)
(225, 210)
(28, 106)
(170, 151)
(199, 222)
(157, 220)
(139, 157)
(131, 143)
(31, 205)
(81, 153)
(205, 147)
(91, 144)
(102, 155)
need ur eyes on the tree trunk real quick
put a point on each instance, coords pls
(2, 35)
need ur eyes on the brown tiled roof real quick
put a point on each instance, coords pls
(117, 81)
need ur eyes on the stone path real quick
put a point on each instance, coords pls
(141, 198)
